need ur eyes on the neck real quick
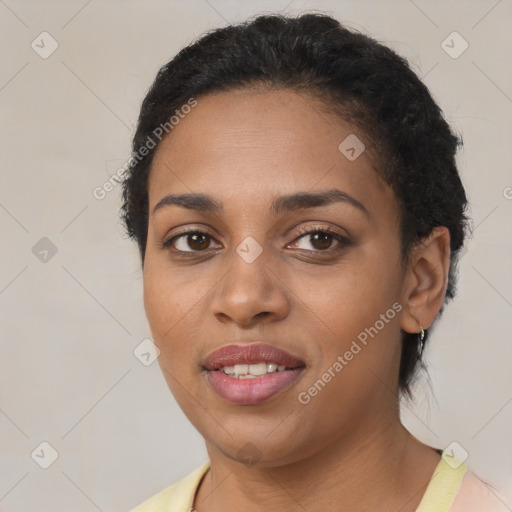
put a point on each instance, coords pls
(384, 469)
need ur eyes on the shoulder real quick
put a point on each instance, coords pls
(175, 498)
(455, 488)
(476, 496)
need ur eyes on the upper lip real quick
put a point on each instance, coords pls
(250, 354)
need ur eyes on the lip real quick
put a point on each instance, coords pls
(259, 389)
(250, 354)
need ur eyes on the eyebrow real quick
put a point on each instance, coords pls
(280, 205)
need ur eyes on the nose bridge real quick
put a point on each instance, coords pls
(251, 285)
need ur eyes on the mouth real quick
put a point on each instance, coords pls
(251, 374)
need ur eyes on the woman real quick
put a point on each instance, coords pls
(295, 199)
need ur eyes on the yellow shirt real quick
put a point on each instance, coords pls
(452, 488)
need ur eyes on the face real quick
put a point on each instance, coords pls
(275, 301)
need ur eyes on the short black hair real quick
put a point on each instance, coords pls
(363, 81)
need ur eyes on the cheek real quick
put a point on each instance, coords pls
(167, 295)
(160, 300)
(352, 298)
(167, 303)
(358, 308)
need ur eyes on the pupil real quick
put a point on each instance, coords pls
(325, 243)
(202, 244)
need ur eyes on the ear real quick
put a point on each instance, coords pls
(426, 280)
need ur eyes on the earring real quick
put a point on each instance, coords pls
(421, 344)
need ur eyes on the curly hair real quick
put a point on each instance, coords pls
(357, 78)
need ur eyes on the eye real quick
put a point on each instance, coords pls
(189, 241)
(320, 239)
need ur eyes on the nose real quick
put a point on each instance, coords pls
(250, 293)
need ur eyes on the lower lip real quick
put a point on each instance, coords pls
(252, 391)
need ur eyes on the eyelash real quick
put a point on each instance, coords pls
(343, 242)
(168, 243)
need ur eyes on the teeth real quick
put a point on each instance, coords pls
(241, 369)
(258, 369)
(250, 371)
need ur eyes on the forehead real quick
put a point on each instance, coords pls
(253, 145)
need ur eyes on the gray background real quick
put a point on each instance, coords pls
(70, 321)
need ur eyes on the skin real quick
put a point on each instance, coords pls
(346, 449)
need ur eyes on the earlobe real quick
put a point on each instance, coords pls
(426, 280)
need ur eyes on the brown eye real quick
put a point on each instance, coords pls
(321, 240)
(190, 242)
(198, 242)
